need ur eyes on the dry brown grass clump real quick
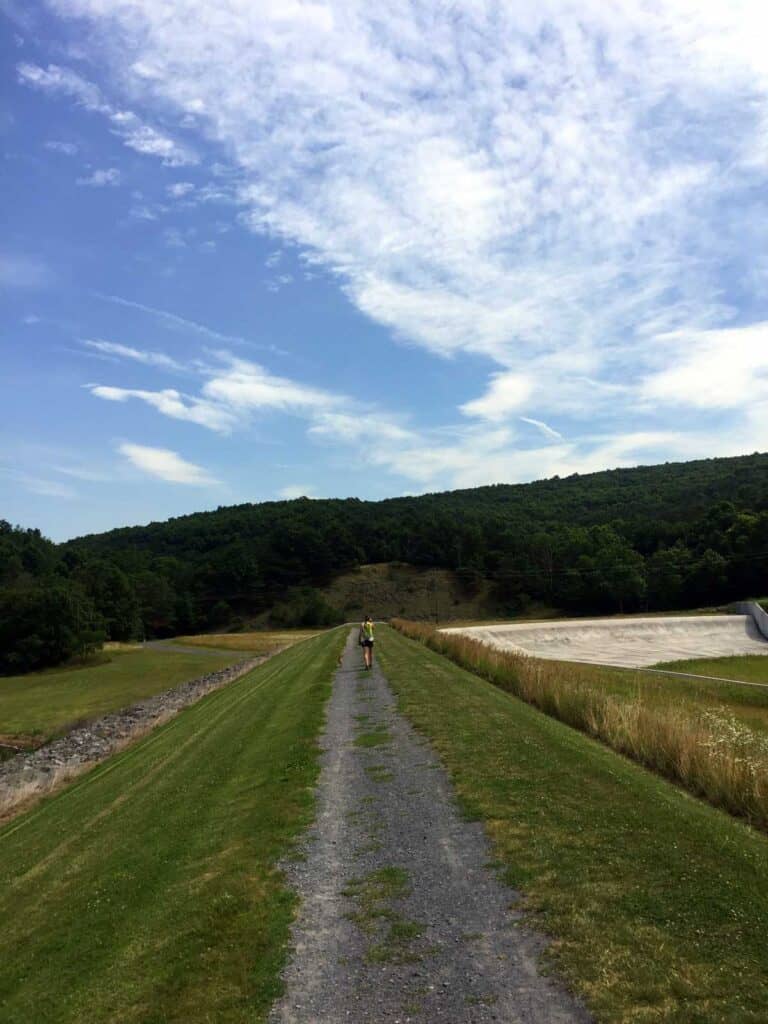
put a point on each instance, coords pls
(710, 753)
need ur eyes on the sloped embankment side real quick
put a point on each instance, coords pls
(150, 887)
(39, 771)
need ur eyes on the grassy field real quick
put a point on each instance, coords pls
(657, 903)
(148, 892)
(751, 668)
(258, 642)
(44, 704)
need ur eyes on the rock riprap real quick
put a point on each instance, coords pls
(38, 771)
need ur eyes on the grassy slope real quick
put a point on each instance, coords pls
(657, 902)
(147, 892)
(749, 704)
(750, 668)
(258, 642)
(45, 703)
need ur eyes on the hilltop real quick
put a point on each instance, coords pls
(657, 537)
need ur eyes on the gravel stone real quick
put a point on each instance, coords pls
(39, 770)
(401, 917)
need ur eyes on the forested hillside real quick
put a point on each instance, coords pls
(656, 537)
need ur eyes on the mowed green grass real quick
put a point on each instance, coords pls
(46, 703)
(752, 668)
(148, 891)
(657, 903)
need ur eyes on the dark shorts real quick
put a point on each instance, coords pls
(367, 643)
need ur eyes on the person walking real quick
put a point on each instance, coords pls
(366, 640)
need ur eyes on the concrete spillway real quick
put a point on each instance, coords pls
(631, 642)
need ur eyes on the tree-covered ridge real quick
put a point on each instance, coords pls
(656, 537)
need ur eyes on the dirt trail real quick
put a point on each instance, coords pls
(401, 918)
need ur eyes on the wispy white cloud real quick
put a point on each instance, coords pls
(113, 348)
(66, 148)
(84, 473)
(180, 189)
(100, 178)
(64, 82)
(19, 271)
(35, 484)
(173, 404)
(506, 393)
(510, 181)
(545, 428)
(567, 190)
(166, 465)
(135, 133)
(48, 488)
(180, 323)
(715, 369)
(246, 386)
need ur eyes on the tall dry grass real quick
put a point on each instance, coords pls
(711, 754)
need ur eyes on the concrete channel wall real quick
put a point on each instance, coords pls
(758, 613)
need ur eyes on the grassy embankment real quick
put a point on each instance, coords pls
(255, 643)
(657, 903)
(695, 732)
(39, 705)
(748, 705)
(148, 891)
(752, 668)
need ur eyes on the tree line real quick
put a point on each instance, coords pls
(656, 538)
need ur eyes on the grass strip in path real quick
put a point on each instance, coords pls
(47, 703)
(658, 903)
(148, 891)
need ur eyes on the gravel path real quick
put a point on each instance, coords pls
(401, 917)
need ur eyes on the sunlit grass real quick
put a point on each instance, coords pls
(656, 904)
(257, 642)
(752, 668)
(149, 890)
(692, 736)
(46, 703)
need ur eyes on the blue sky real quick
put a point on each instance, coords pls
(253, 251)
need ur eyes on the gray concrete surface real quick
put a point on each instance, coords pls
(757, 612)
(445, 945)
(630, 642)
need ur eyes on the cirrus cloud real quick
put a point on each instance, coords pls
(166, 465)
